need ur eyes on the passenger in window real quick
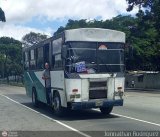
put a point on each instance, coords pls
(46, 77)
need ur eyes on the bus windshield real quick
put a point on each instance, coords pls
(95, 57)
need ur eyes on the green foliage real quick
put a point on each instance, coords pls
(2, 16)
(10, 57)
(140, 3)
(60, 29)
(147, 33)
(122, 23)
(33, 38)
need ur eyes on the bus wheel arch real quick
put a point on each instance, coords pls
(58, 109)
(35, 101)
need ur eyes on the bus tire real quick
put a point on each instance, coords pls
(106, 110)
(58, 110)
(35, 101)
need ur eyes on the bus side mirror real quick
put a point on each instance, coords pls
(64, 51)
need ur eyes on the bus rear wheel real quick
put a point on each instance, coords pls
(58, 110)
(106, 110)
(35, 101)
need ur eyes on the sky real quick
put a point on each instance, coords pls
(46, 16)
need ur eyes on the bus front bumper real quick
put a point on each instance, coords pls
(96, 104)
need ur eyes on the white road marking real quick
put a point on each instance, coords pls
(73, 129)
(57, 121)
(155, 124)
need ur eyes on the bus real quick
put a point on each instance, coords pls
(86, 70)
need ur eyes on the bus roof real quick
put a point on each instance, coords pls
(94, 35)
(85, 34)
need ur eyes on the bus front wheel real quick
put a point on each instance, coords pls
(34, 98)
(58, 110)
(106, 110)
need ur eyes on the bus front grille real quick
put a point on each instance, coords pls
(98, 90)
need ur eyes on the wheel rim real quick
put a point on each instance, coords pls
(56, 103)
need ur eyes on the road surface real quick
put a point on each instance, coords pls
(141, 112)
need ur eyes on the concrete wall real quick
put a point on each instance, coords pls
(147, 80)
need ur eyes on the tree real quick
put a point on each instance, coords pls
(122, 23)
(140, 3)
(10, 57)
(2, 16)
(151, 9)
(147, 34)
(33, 38)
(59, 30)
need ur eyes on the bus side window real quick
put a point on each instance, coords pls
(58, 61)
(56, 54)
(46, 53)
(32, 59)
(40, 62)
(67, 61)
(53, 61)
(26, 60)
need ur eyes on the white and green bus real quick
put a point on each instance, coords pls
(86, 69)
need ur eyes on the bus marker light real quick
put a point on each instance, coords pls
(119, 89)
(74, 90)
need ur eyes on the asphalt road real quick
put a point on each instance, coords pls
(141, 112)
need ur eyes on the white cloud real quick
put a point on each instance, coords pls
(21, 11)
(18, 32)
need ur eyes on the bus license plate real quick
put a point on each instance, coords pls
(99, 103)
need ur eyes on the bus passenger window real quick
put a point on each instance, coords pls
(32, 59)
(56, 54)
(58, 61)
(40, 62)
(46, 53)
(53, 61)
(26, 60)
